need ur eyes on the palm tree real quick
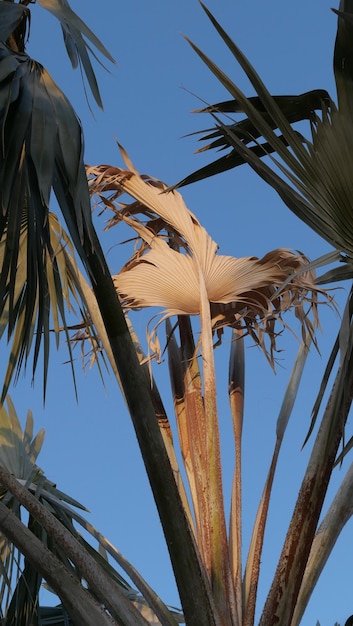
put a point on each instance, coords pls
(39, 278)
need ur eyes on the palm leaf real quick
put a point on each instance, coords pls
(294, 109)
(18, 452)
(74, 30)
(323, 202)
(42, 148)
(11, 17)
(339, 512)
(30, 294)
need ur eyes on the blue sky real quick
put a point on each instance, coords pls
(90, 448)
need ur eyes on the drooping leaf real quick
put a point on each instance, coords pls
(11, 16)
(74, 31)
(42, 148)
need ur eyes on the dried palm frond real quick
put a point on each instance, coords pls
(174, 250)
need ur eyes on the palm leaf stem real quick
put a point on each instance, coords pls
(282, 598)
(180, 392)
(192, 431)
(236, 389)
(217, 553)
(327, 534)
(198, 607)
(162, 419)
(252, 570)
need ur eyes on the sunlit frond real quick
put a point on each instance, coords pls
(36, 300)
(174, 249)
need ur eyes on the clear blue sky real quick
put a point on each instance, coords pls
(90, 448)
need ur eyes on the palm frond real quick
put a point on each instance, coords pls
(37, 293)
(244, 291)
(41, 149)
(321, 201)
(18, 453)
(12, 17)
(294, 109)
(74, 30)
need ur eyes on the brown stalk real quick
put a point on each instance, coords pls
(282, 598)
(193, 432)
(236, 399)
(214, 522)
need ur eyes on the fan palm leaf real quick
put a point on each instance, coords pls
(241, 291)
(176, 266)
(321, 201)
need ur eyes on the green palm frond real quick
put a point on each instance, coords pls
(20, 581)
(37, 292)
(74, 30)
(41, 150)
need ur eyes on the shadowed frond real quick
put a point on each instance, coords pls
(313, 176)
(294, 109)
(41, 149)
(74, 31)
(12, 16)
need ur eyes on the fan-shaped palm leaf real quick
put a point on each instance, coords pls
(314, 178)
(177, 267)
(240, 291)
